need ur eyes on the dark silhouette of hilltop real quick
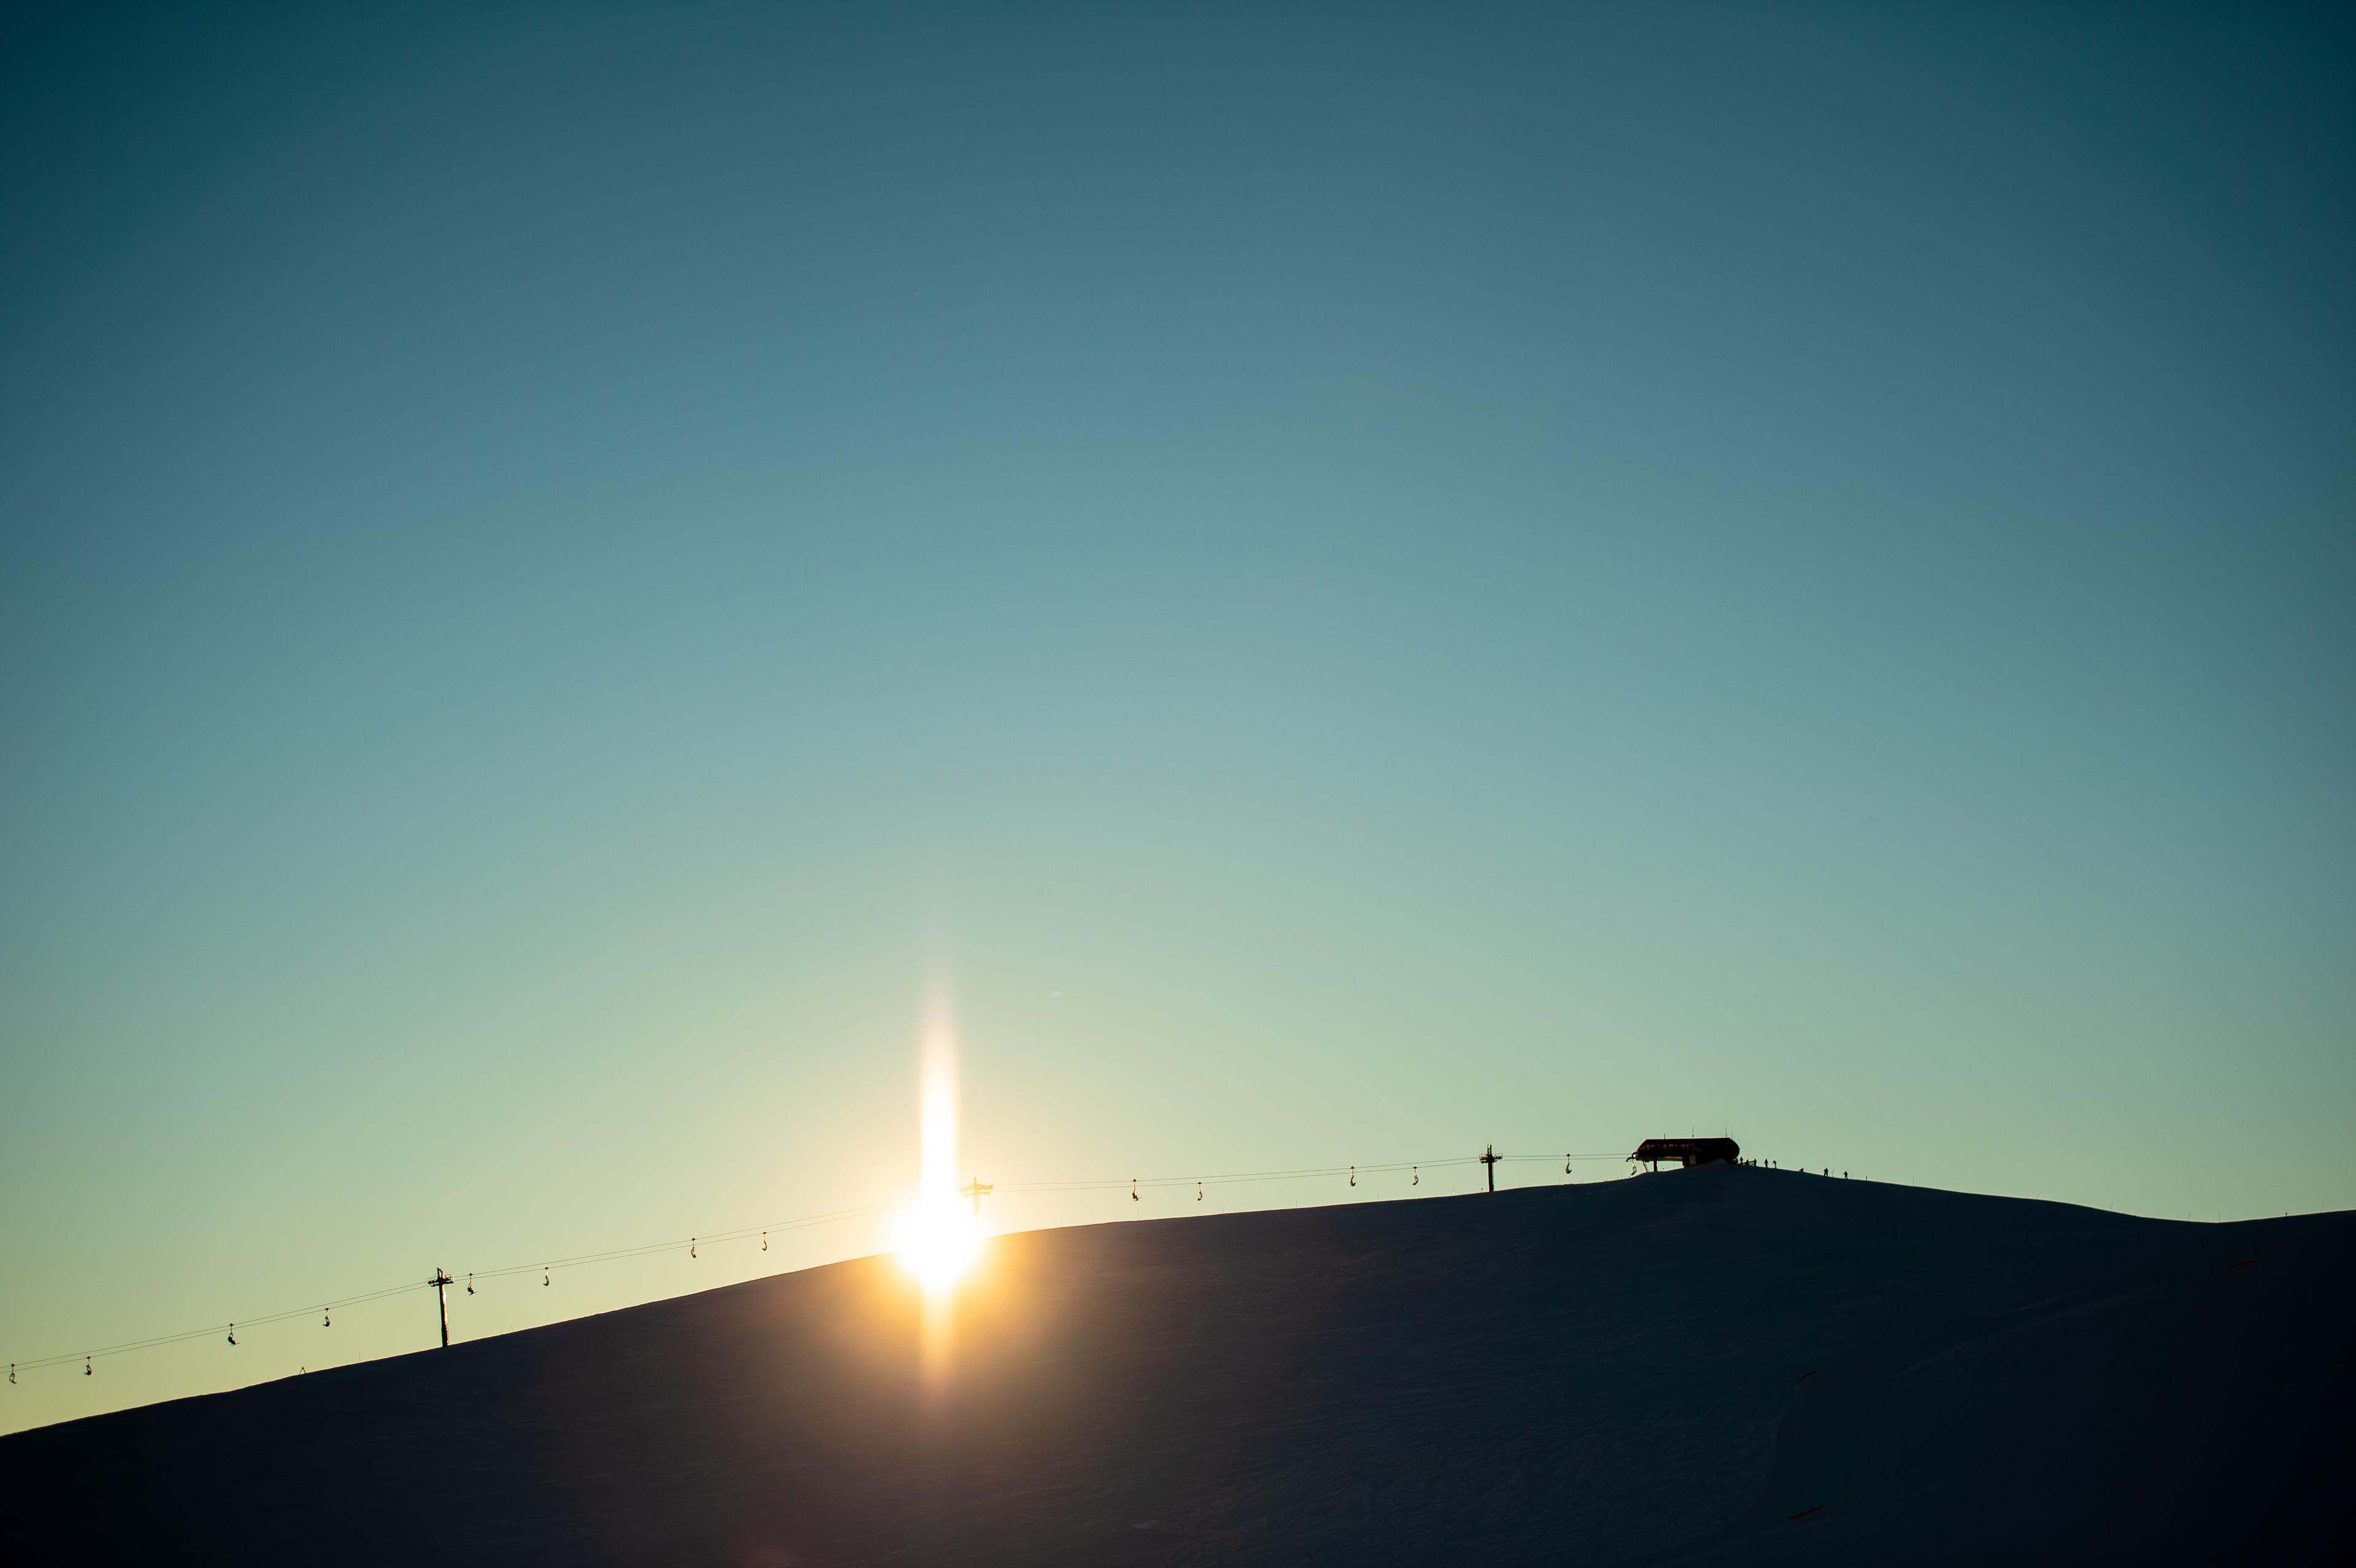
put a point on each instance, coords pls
(1721, 1365)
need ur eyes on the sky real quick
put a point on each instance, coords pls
(1333, 585)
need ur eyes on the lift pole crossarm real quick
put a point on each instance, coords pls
(977, 1189)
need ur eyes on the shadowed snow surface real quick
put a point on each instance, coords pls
(1717, 1366)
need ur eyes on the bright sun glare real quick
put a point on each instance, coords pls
(937, 1238)
(938, 1242)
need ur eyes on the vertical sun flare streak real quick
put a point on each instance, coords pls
(938, 1241)
(937, 1238)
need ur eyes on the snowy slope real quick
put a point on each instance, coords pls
(1703, 1367)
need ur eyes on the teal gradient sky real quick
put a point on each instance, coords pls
(1350, 583)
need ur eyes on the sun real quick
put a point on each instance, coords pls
(937, 1242)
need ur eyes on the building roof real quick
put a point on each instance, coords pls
(1697, 1149)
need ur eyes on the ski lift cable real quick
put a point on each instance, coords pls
(1302, 1173)
(748, 1232)
(154, 1341)
(257, 1320)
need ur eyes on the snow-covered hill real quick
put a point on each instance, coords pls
(1717, 1366)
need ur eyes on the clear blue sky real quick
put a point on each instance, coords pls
(1351, 583)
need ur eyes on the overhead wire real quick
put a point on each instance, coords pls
(577, 1260)
(748, 1232)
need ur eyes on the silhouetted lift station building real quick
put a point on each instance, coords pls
(1653, 1152)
